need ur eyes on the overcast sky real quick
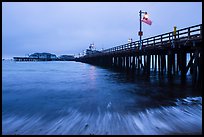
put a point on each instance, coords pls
(69, 27)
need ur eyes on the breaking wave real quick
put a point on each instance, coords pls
(185, 117)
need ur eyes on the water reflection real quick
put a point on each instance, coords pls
(92, 73)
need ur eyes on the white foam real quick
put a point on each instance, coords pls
(180, 119)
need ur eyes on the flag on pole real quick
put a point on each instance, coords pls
(147, 21)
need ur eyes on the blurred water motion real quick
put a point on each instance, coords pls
(75, 98)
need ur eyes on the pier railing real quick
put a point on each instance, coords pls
(171, 53)
(184, 34)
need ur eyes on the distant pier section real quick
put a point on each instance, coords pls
(45, 57)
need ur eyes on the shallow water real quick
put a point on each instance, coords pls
(78, 98)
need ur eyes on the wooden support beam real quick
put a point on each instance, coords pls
(200, 70)
(133, 63)
(178, 61)
(140, 62)
(123, 62)
(153, 62)
(173, 63)
(190, 63)
(169, 63)
(127, 63)
(120, 62)
(114, 61)
(159, 63)
(191, 66)
(148, 64)
(155, 68)
(145, 64)
(136, 62)
(183, 64)
(162, 64)
(165, 60)
(194, 76)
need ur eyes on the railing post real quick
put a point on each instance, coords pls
(147, 42)
(201, 30)
(161, 40)
(189, 33)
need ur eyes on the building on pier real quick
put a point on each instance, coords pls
(37, 57)
(43, 56)
(91, 50)
(66, 58)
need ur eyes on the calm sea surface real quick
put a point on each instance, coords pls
(77, 98)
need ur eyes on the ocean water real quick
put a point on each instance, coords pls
(76, 98)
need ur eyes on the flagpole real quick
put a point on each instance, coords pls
(140, 29)
(145, 20)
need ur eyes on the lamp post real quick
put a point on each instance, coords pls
(140, 32)
(130, 40)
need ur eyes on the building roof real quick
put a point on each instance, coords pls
(44, 53)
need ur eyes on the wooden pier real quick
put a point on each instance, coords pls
(166, 54)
